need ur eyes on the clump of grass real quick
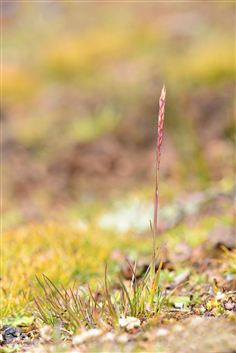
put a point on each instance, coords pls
(79, 307)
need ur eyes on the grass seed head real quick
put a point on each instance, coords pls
(160, 124)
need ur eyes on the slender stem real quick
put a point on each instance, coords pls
(158, 159)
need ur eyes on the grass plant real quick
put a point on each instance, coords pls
(75, 307)
(158, 161)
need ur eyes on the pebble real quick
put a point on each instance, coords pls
(162, 332)
(86, 335)
(123, 339)
(178, 328)
(109, 336)
(129, 323)
(11, 332)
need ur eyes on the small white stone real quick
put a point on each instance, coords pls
(86, 335)
(78, 339)
(129, 323)
(162, 332)
(122, 339)
(122, 322)
(220, 295)
(46, 333)
(178, 328)
(109, 336)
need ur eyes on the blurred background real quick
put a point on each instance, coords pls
(81, 84)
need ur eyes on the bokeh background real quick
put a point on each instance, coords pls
(80, 90)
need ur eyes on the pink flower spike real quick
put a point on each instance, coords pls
(160, 124)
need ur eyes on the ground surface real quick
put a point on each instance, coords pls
(199, 316)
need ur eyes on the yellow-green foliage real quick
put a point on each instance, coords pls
(195, 235)
(205, 62)
(83, 54)
(63, 253)
(73, 56)
(18, 84)
(95, 58)
(210, 62)
(59, 251)
(90, 127)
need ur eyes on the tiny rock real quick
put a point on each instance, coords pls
(109, 336)
(123, 339)
(86, 336)
(219, 295)
(11, 332)
(162, 332)
(129, 323)
(46, 333)
(178, 328)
